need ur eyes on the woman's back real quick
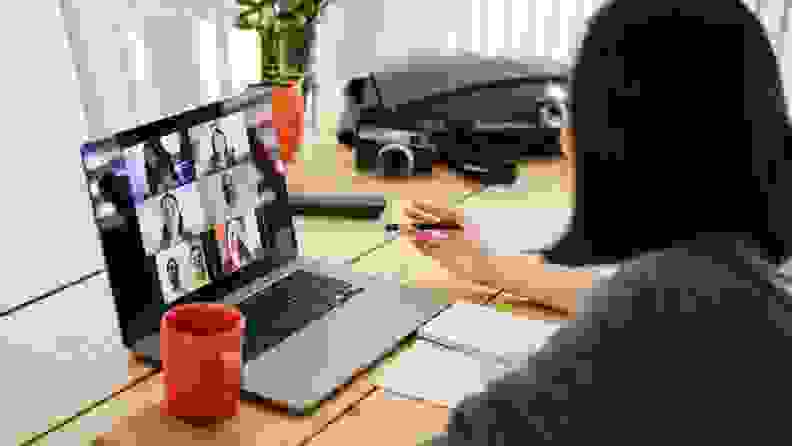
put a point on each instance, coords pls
(687, 344)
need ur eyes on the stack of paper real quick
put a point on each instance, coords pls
(485, 332)
(431, 372)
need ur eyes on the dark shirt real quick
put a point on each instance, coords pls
(682, 346)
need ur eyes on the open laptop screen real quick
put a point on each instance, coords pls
(182, 199)
(184, 208)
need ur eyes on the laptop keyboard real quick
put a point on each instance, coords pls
(290, 304)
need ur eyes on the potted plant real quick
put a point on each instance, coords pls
(286, 35)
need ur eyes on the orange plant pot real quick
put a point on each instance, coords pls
(288, 118)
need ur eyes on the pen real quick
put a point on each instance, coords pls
(425, 226)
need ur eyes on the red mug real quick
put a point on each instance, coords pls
(201, 346)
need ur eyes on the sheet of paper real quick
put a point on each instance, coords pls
(510, 229)
(484, 331)
(431, 372)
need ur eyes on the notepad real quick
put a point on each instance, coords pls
(431, 372)
(483, 331)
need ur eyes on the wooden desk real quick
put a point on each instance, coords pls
(137, 419)
(328, 168)
(383, 420)
(256, 424)
(359, 411)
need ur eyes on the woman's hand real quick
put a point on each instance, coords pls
(459, 251)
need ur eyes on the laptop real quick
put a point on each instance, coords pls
(193, 208)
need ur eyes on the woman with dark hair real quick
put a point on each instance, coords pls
(237, 253)
(160, 169)
(173, 222)
(677, 146)
(173, 274)
(223, 155)
(230, 195)
(200, 274)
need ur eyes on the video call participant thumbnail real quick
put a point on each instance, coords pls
(111, 193)
(230, 193)
(173, 271)
(136, 166)
(200, 136)
(239, 242)
(170, 218)
(223, 154)
(160, 167)
(173, 222)
(166, 169)
(182, 269)
(172, 268)
(220, 144)
(200, 273)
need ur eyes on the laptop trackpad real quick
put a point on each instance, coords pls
(308, 366)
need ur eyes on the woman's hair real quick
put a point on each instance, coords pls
(238, 227)
(166, 233)
(680, 124)
(155, 151)
(173, 268)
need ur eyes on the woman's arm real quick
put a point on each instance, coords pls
(530, 279)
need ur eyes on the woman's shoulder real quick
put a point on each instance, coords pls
(687, 271)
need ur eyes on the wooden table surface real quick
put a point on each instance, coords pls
(330, 167)
(360, 409)
(381, 420)
(384, 420)
(360, 405)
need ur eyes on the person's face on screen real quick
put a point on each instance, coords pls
(170, 214)
(173, 273)
(229, 193)
(150, 154)
(197, 258)
(150, 158)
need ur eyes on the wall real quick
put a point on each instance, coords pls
(86, 70)
(141, 60)
(49, 237)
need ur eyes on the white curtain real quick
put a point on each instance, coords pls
(145, 59)
(139, 60)
(545, 28)
(555, 28)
